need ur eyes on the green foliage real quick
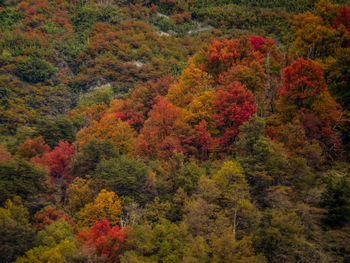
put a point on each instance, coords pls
(16, 235)
(56, 129)
(96, 74)
(126, 177)
(336, 199)
(99, 95)
(35, 69)
(91, 154)
(188, 177)
(22, 178)
(165, 242)
(59, 253)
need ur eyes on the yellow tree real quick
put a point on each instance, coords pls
(109, 128)
(106, 206)
(193, 81)
(200, 108)
(314, 38)
(234, 193)
(79, 193)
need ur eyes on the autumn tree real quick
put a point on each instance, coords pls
(58, 162)
(105, 206)
(32, 148)
(314, 38)
(110, 127)
(234, 105)
(305, 97)
(164, 132)
(79, 193)
(103, 240)
(49, 215)
(303, 82)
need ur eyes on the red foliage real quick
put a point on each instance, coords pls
(48, 215)
(104, 241)
(134, 109)
(234, 104)
(302, 81)
(257, 42)
(222, 55)
(203, 140)
(32, 148)
(58, 161)
(321, 129)
(164, 132)
(344, 17)
(4, 155)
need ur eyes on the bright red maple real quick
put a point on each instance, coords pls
(104, 240)
(302, 81)
(234, 104)
(257, 42)
(58, 162)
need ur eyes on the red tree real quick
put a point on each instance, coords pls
(32, 147)
(302, 81)
(222, 55)
(104, 241)
(234, 104)
(48, 215)
(58, 162)
(4, 155)
(203, 140)
(344, 17)
(257, 42)
(164, 132)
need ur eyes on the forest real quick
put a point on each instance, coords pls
(174, 131)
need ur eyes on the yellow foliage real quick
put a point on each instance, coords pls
(106, 206)
(201, 108)
(109, 128)
(193, 82)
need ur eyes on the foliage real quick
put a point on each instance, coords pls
(335, 199)
(103, 240)
(126, 177)
(105, 206)
(233, 104)
(19, 177)
(35, 70)
(174, 131)
(16, 234)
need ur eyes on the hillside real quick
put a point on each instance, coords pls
(171, 131)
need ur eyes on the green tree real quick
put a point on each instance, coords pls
(22, 178)
(91, 154)
(336, 199)
(234, 194)
(34, 69)
(126, 177)
(16, 235)
(55, 129)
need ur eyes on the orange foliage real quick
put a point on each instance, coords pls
(32, 148)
